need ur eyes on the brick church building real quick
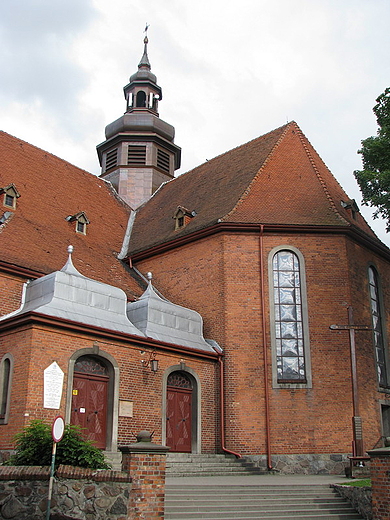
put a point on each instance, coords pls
(198, 307)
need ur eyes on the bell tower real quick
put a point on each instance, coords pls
(139, 153)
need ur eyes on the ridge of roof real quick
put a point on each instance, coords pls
(248, 189)
(328, 190)
(303, 140)
(281, 129)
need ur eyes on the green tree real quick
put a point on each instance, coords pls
(374, 179)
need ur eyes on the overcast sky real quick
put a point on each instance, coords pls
(229, 71)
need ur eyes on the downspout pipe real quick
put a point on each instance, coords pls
(222, 405)
(265, 353)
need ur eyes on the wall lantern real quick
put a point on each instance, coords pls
(152, 362)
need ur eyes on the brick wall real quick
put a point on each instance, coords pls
(219, 276)
(380, 483)
(35, 346)
(11, 291)
(147, 470)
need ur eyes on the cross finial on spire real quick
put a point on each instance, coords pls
(144, 60)
(146, 33)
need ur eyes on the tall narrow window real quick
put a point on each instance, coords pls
(5, 384)
(377, 325)
(289, 323)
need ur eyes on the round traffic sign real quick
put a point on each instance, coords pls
(58, 428)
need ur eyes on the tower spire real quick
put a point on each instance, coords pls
(139, 153)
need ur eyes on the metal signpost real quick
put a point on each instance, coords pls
(57, 433)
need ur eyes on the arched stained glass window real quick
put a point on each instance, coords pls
(288, 319)
(377, 325)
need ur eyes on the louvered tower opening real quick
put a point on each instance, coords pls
(163, 160)
(111, 158)
(136, 154)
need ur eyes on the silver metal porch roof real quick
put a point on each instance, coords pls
(164, 321)
(69, 295)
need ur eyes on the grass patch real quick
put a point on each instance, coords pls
(366, 482)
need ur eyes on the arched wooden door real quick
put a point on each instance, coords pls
(89, 399)
(179, 412)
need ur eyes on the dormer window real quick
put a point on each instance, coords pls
(81, 220)
(351, 206)
(10, 194)
(182, 217)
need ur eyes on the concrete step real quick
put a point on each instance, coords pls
(228, 502)
(189, 464)
(315, 490)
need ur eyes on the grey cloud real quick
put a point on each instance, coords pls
(35, 36)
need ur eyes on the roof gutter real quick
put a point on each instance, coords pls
(80, 328)
(19, 270)
(236, 227)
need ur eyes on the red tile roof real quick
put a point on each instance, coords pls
(36, 236)
(277, 178)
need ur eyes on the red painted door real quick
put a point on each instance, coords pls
(89, 407)
(179, 404)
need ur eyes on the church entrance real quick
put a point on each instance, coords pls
(179, 412)
(89, 399)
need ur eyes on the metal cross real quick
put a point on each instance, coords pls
(357, 420)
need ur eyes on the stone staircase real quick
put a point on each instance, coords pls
(208, 465)
(239, 502)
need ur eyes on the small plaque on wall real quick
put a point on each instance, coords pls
(53, 380)
(126, 408)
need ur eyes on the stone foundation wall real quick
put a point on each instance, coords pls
(360, 498)
(304, 464)
(78, 493)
